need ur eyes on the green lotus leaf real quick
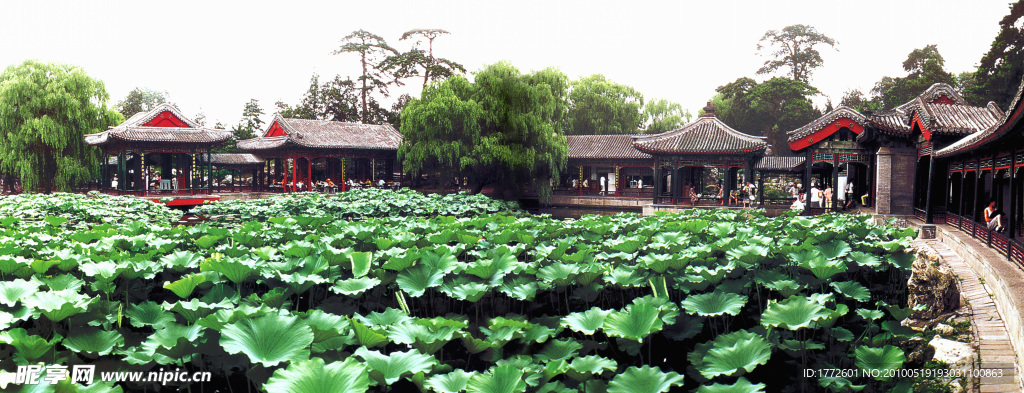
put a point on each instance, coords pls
(57, 305)
(821, 266)
(93, 341)
(500, 379)
(885, 358)
(794, 313)
(106, 271)
(181, 261)
(269, 339)
(173, 342)
(786, 288)
(234, 269)
(402, 261)
(469, 291)
(852, 289)
(361, 262)
(625, 276)
(184, 286)
(662, 262)
(9, 264)
(28, 348)
(584, 368)
(558, 274)
(455, 381)
(839, 384)
(41, 266)
(299, 283)
(748, 254)
(866, 260)
(11, 292)
(742, 385)
(315, 376)
(426, 335)
(298, 249)
(415, 280)
(389, 317)
(386, 370)
(520, 288)
(368, 337)
(869, 314)
(842, 334)
(562, 349)
(493, 269)
(834, 249)
(714, 304)
(325, 325)
(739, 351)
(635, 323)
(354, 287)
(644, 379)
(901, 260)
(502, 330)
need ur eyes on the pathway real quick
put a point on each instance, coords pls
(998, 361)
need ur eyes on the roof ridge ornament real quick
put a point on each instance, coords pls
(709, 110)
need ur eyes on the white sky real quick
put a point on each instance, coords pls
(213, 56)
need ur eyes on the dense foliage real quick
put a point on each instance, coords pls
(598, 106)
(80, 210)
(715, 300)
(770, 108)
(503, 130)
(359, 203)
(794, 48)
(45, 112)
(999, 73)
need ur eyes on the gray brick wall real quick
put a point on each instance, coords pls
(894, 191)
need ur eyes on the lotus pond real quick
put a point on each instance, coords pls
(705, 301)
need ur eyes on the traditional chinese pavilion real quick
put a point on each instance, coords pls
(159, 152)
(627, 170)
(305, 152)
(689, 160)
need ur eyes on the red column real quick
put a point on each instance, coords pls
(309, 173)
(295, 166)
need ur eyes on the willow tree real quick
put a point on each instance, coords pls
(503, 130)
(598, 106)
(45, 112)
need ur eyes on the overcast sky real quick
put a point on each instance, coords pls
(213, 56)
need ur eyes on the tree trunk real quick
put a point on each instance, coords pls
(363, 116)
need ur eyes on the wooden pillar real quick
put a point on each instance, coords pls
(835, 181)
(657, 181)
(677, 182)
(726, 185)
(929, 216)
(309, 173)
(295, 167)
(760, 188)
(974, 200)
(579, 182)
(808, 163)
(618, 181)
(1011, 217)
(343, 178)
(962, 205)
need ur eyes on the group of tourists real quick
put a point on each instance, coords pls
(822, 197)
(327, 185)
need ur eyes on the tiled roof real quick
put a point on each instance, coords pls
(1007, 123)
(957, 119)
(706, 135)
(780, 163)
(234, 159)
(934, 92)
(133, 130)
(604, 146)
(891, 121)
(328, 134)
(828, 118)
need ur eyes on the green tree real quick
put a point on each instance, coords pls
(247, 127)
(45, 112)
(409, 64)
(598, 106)
(664, 115)
(858, 101)
(1002, 67)
(335, 100)
(793, 47)
(140, 100)
(502, 130)
(372, 50)
(770, 108)
(924, 67)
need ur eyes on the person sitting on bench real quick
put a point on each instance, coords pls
(994, 217)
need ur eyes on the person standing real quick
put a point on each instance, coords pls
(828, 196)
(815, 196)
(849, 195)
(604, 185)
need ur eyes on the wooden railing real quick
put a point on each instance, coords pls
(1013, 249)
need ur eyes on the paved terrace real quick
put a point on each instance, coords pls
(994, 290)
